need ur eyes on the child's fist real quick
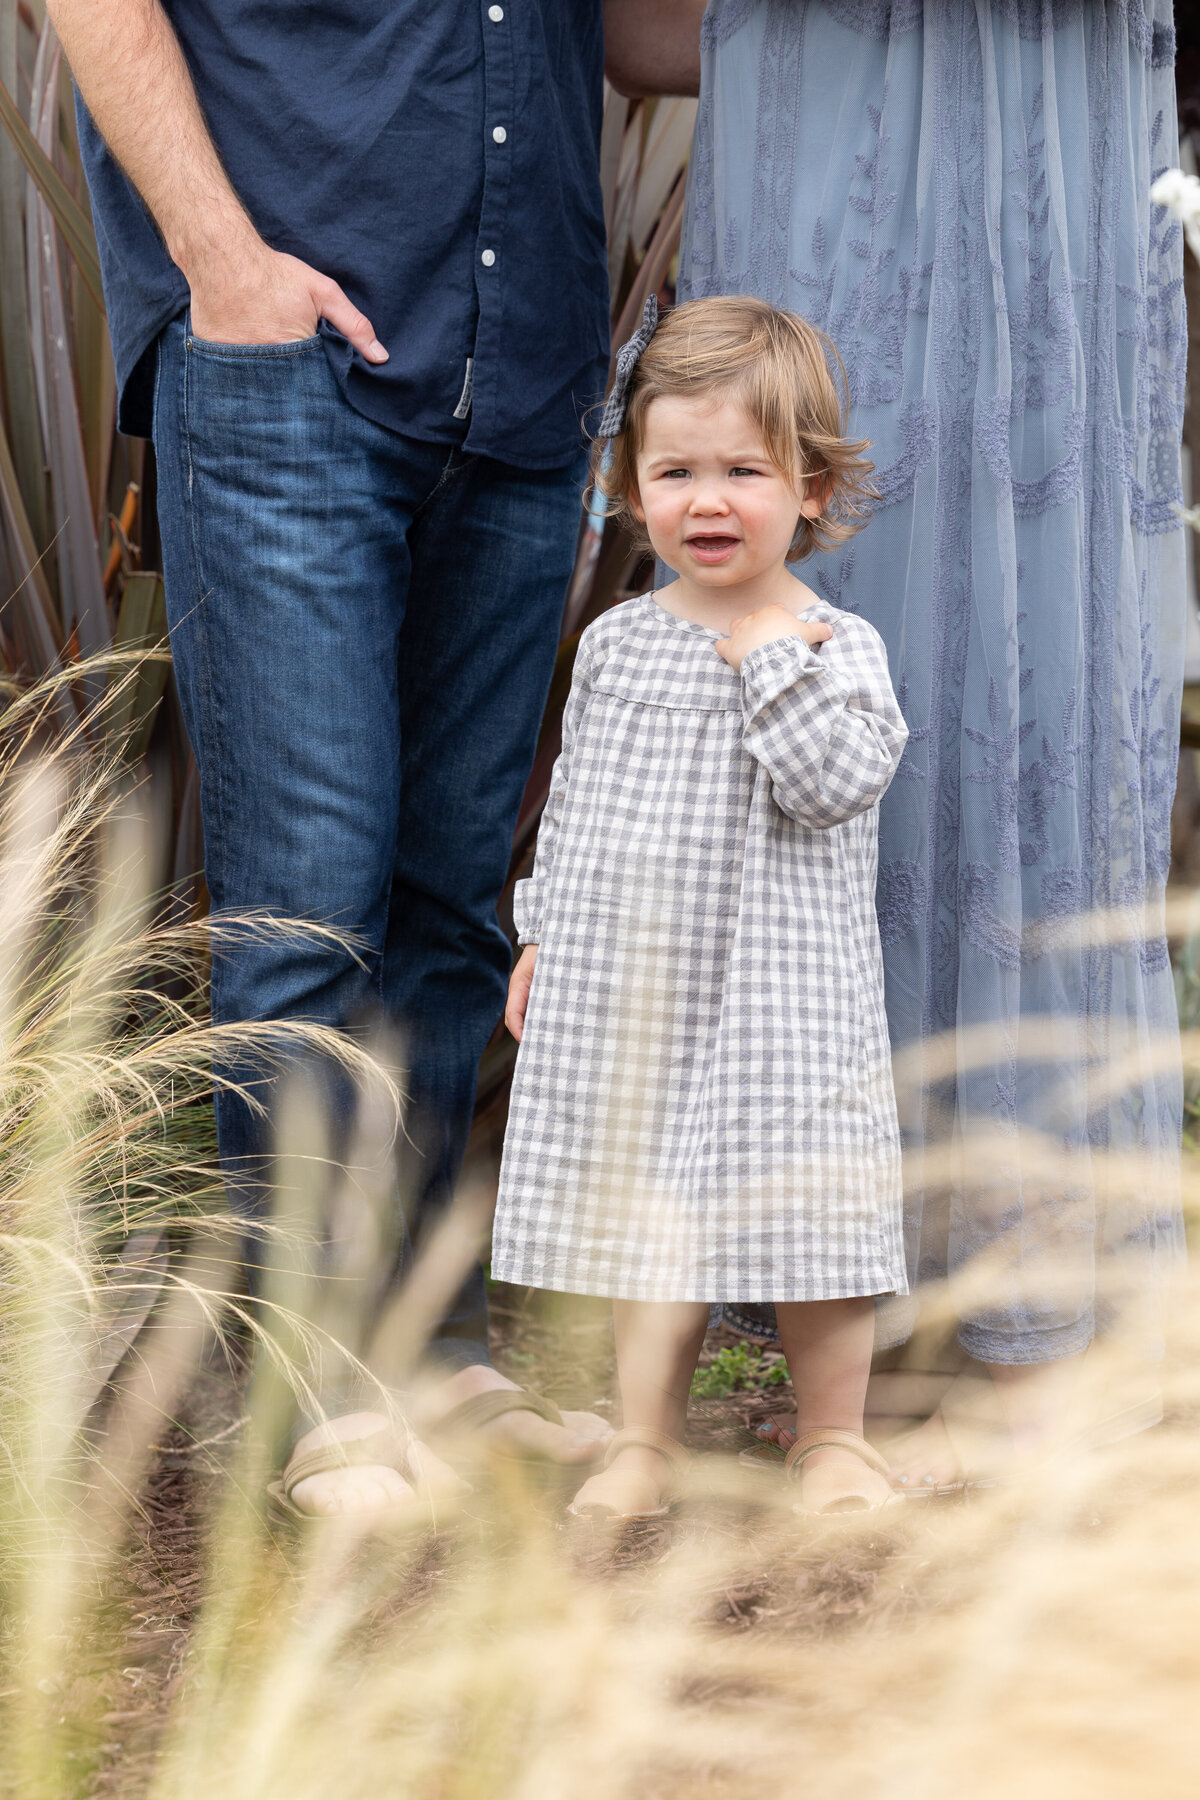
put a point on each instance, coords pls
(766, 626)
(519, 983)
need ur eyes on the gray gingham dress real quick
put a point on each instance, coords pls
(703, 1105)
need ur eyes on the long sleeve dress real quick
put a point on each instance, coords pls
(958, 191)
(703, 1106)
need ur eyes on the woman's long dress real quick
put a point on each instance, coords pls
(958, 193)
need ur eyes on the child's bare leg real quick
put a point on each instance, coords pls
(828, 1345)
(658, 1345)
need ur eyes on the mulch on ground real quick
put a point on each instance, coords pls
(814, 1586)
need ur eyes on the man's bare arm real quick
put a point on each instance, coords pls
(138, 88)
(653, 46)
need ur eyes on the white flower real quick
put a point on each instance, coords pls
(1180, 193)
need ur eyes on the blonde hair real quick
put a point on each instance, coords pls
(781, 369)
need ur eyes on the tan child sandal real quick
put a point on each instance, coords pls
(599, 1510)
(853, 1500)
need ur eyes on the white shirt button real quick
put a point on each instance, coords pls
(498, 134)
(488, 258)
(495, 14)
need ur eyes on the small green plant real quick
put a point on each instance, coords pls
(736, 1366)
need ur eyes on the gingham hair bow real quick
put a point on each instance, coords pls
(612, 421)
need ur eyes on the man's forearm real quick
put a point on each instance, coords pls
(653, 46)
(132, 74)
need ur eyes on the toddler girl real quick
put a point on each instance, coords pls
(703, 1108)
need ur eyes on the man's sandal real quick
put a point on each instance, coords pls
(852, 1501)
(642, 1436)
(390, 1448)
(461, 1424)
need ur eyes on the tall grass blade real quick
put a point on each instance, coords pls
(32, 616)
(664, 158)
(135, 1281)
(612, 141)
(83, 608)
(68, 215)
(141, 626)
(20, 399)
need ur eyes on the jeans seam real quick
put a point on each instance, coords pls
(449, 469)
(212, 724)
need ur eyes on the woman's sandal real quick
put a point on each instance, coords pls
(960, 1425)
(645, 1438)
(768, 1453)
(811, 1441)
(391, 1448)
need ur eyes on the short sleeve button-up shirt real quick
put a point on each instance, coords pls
(439, 161)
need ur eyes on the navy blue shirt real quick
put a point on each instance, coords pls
(440, 160)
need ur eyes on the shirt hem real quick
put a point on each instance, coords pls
(860, 1287)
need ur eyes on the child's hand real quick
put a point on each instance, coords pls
(518, 990)
(765, 627)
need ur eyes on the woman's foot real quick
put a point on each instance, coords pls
(925, 1460)
(636, 1484)
(369, 1487)
(989, 1426)
(581, 1438)
(774, 1431)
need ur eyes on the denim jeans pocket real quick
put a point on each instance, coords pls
(250, 352)
(256, 422)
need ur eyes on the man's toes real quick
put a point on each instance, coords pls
(353, 1490)
(588, 1424)
(587, 1433)
(432, 1475)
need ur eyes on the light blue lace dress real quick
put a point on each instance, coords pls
(958, 191)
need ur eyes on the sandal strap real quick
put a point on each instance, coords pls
(645, 1438)
(833, 1439)
(386, 1449)
(481, 1409)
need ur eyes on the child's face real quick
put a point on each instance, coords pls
(716, 508)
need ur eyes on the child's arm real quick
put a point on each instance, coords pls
(529, 895)
(824, 723)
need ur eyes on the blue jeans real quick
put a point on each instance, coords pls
(363, 630)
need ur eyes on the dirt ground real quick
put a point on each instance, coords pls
(568, 1357)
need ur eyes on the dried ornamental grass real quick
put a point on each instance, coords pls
(1036, 1638)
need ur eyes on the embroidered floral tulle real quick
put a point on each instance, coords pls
(959, 194)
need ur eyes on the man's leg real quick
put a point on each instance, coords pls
(284, 524)
(492, 552)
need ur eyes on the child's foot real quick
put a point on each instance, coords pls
(637, 1484)
(832, 1480)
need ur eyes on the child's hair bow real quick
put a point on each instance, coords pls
(612, 420)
